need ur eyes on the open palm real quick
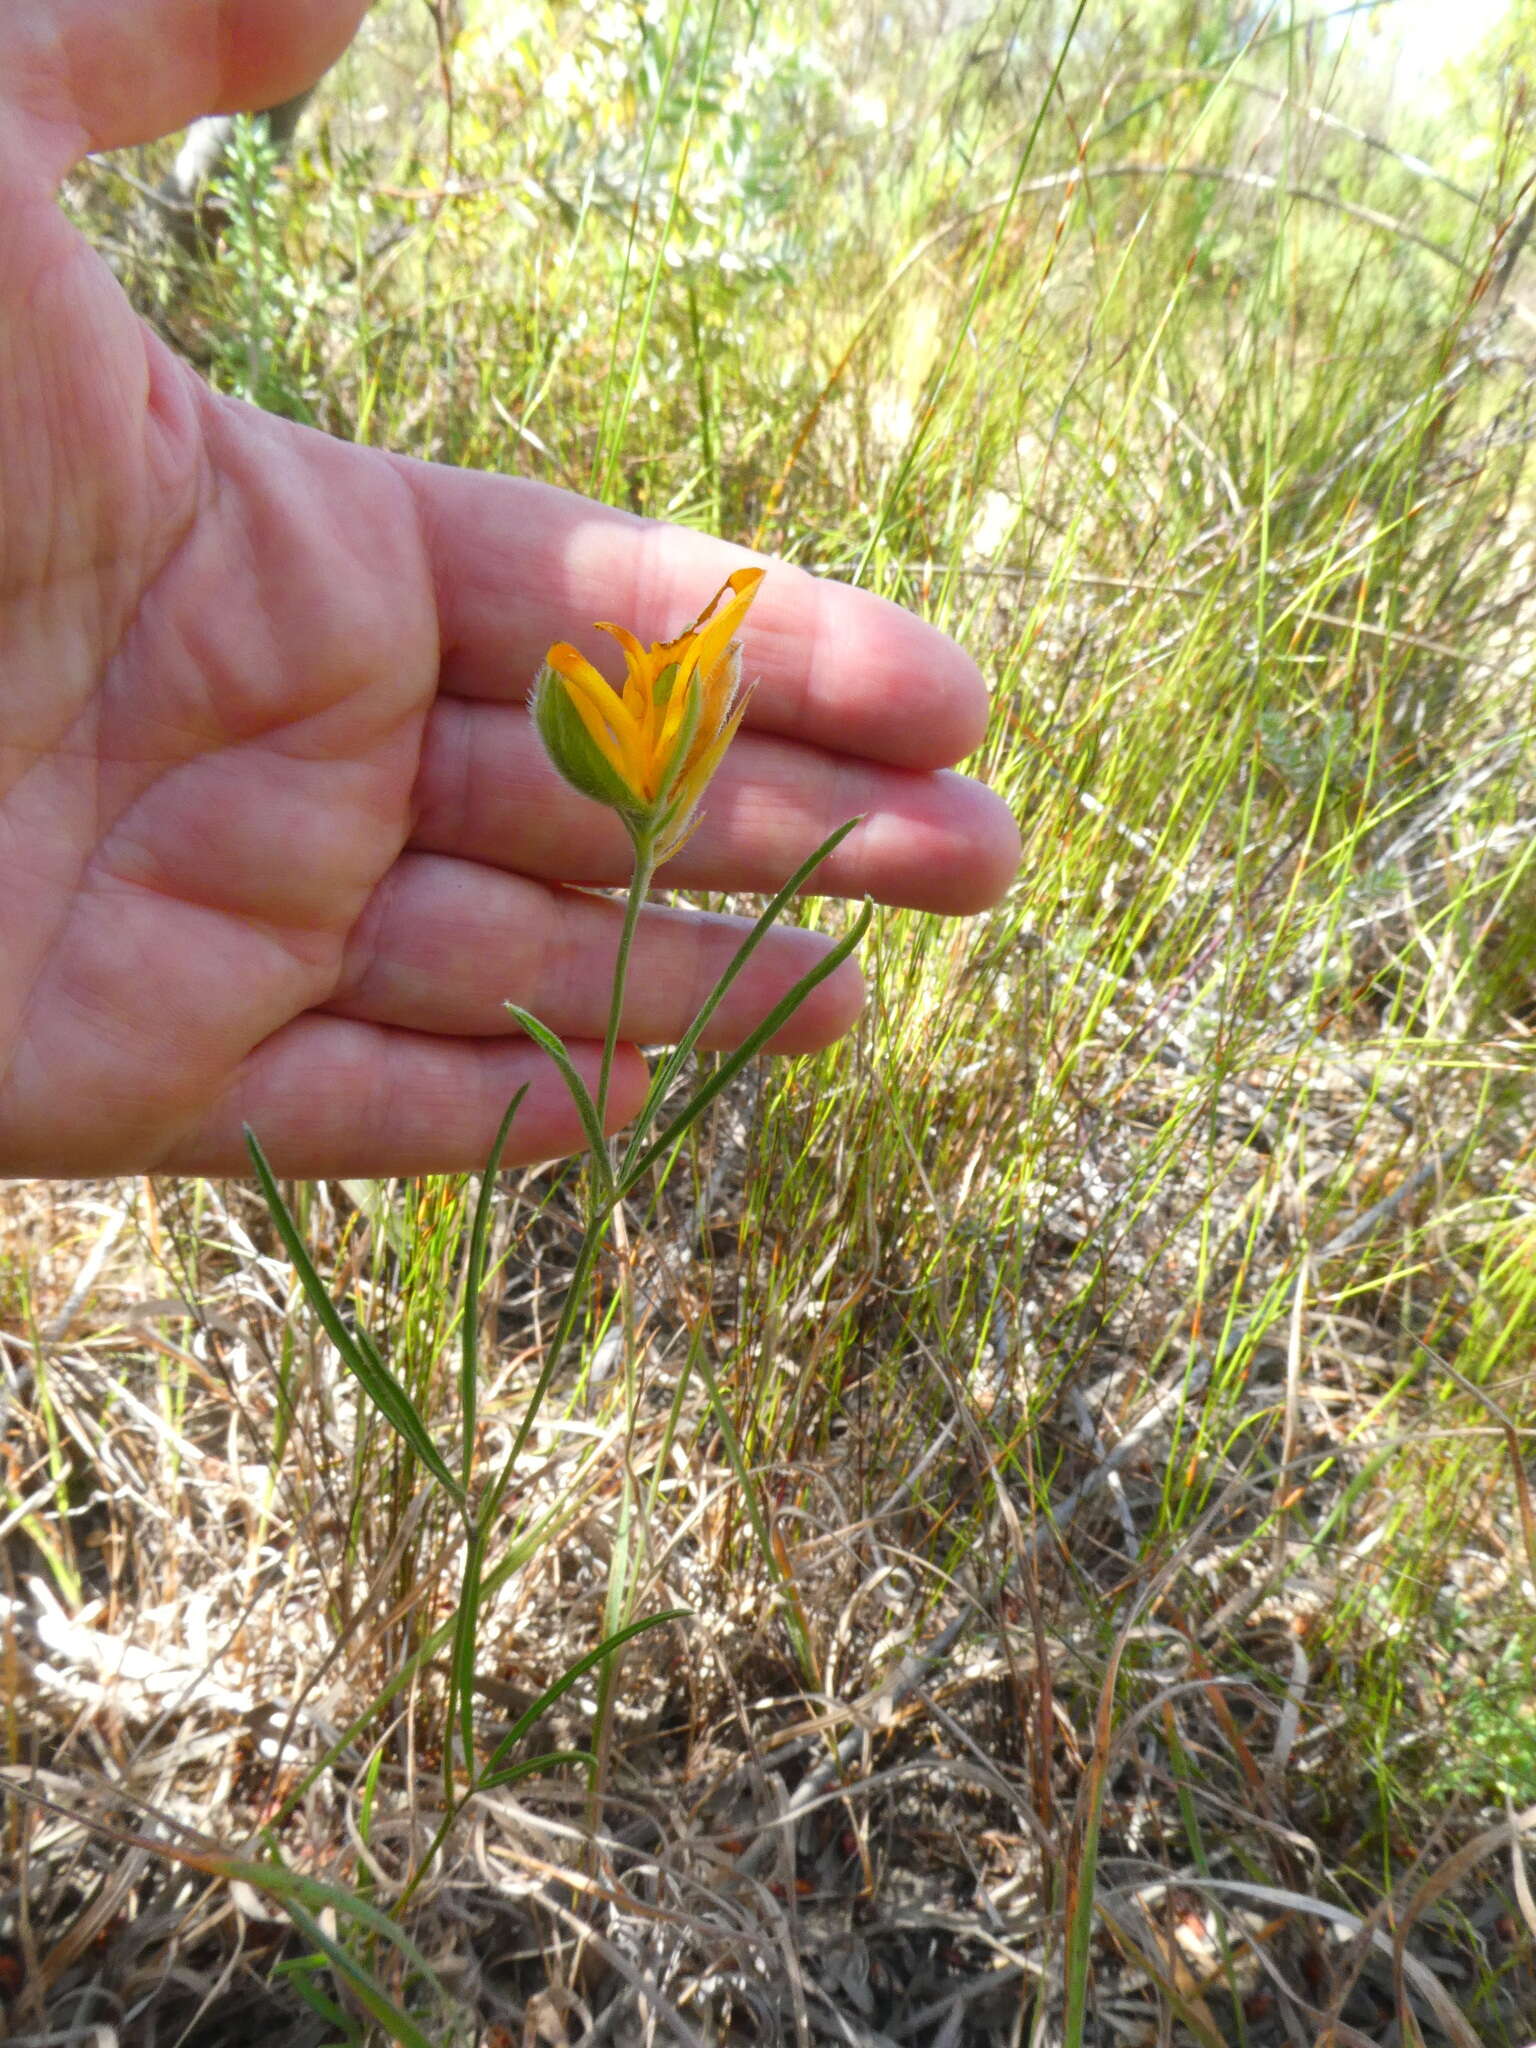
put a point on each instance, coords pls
(278, 841)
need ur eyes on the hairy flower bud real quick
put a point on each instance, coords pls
(647, 751)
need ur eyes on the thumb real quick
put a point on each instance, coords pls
(80, 75)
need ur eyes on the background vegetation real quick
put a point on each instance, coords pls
(1088, 1419)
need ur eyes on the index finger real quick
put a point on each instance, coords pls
(519, 565)
(94, 74)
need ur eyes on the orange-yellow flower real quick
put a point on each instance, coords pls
(648, 750)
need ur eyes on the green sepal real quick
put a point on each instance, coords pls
(661, 689)
(571, 748)
(686, 734)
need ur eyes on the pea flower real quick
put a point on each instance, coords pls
(647, 751)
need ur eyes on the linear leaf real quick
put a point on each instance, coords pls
(462, 1655)
(566, 1680)
(303, 1899)
(358, 1352)
(586, 1108)
(399, 2025)
(670, 1067)
(513, 1772)
(733, 1062)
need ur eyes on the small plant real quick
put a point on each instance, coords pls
(648, 753)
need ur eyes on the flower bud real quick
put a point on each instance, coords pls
(648, 751)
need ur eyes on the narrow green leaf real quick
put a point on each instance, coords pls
(298, 1973)
(670, 1067)
(303, 1899)
(513, 1772)
(268, 1875)
(358, 1352)
(586, 1108)
(399, 2025)
(632, 1169)
(567, 1679)
(461, 1664)
(545, 1530)
(616, 1610)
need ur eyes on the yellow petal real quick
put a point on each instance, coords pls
(641, 671)
(743, 582)
(677, 711)
(638, 727)
(571, 663)
(601, 712)
(713, 635)
(696, 777)
(602, 738)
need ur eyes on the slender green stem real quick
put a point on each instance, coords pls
(620, 1585)
(639, 888)
(599, 1221)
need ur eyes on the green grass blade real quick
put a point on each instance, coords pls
(298, 1972)
(303, 1899)
(514, 1772)
(398, 2025)
(474, 1279)
(736, 1459)
(358, 1353)
(545, 1530)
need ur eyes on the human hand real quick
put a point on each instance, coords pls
(279, 841)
